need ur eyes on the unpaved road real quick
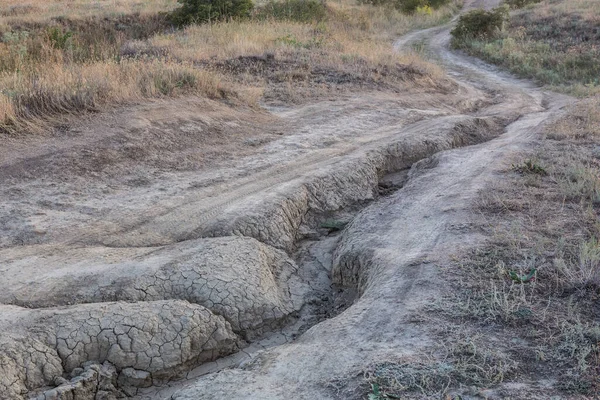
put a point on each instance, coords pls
(160, 258)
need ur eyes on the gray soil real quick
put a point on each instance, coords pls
(186, 249)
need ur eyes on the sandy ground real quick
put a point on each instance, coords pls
(191, 230)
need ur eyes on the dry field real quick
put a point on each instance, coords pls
(58, 59)
(519, 318)
(40, 11)
(542, 221)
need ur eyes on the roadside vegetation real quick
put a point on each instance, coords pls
(520, 319)
(554, 42)
(55, 63)
(538, 279)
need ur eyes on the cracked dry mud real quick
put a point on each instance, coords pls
(122, 272)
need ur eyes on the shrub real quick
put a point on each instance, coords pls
(480, 23)
(198, 11)
(293, 10)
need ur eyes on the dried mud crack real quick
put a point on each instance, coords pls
(298, 264)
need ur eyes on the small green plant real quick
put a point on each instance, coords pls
(424, 10)
(523, 278)
(59, 39)
(480, 24)
(410, 6)
(530, 167)
(293, 10)
(199, 11)
(377, 394)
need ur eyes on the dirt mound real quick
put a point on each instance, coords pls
(159, 338)
(253, 286)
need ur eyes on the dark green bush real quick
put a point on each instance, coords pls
(435, 4)
(480, 23)
(198, 11)
(376, 2)
(293, 10)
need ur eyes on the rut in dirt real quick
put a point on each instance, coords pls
(389, 253)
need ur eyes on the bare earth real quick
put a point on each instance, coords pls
(192, 240)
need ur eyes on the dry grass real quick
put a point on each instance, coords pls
(77, 63)
(352, 34)
(60, 90)
(555, 42)
(582, 122)
(14, 12)
(333, 44)
(471, 361)
(547, 221)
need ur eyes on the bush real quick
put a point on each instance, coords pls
(198, 11)
(480, 23)
(294, 10)
(435, 4)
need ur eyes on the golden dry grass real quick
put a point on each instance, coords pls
(355, 36)
(333, 44)
(30, 98)
(41, 11)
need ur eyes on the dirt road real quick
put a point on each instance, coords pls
(176, 258)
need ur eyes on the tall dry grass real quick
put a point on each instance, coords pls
(31, 98)
(359, 36)
(41, 11)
